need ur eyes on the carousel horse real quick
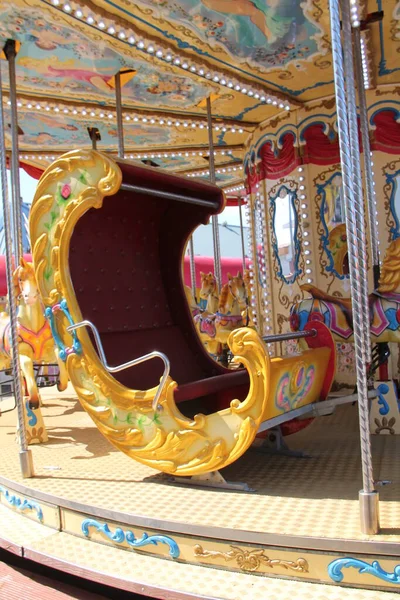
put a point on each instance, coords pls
(35, 340)
(205, 320)
(209, 292)
(336, 313)
(229, 315)
(215, 327)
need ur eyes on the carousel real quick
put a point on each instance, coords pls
(182, 427)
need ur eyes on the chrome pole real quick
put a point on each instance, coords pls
(11, 52)
(120, 127)
(368, 497)
(383, 348)
(25, 454)
(214, 218)
(253, 242)
(242, 234)
(192, 268)
(359, 205)
(369, 179)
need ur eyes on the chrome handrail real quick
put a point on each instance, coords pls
(293, 335)
(130, 363)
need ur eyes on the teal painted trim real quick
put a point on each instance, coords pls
(374, 569)
(120, 536)
(22, 505)
(382, 63)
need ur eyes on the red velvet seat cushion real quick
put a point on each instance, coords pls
(124, 346)
(212, 385)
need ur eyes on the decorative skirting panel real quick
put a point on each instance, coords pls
(41, 512)
(331, 567)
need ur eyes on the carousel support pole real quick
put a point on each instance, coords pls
(120, 127)
(359, 205)
(10, 52)
(25, 455)
(369, 180)
(192, 268)
(214, 218)
(368, 496)
(94, 135)
(242, 234)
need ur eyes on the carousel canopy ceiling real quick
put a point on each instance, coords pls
(255, 59)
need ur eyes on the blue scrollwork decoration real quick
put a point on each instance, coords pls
(382, 390)
(393, 180)
(285, 239)
(32, 418)
(50, 313)
(374, 569)
(119, 537)
(20, 504)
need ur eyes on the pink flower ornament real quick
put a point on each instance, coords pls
(66, 191)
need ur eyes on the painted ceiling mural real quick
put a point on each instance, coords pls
(254, 59)
(258, 33)
(284, 43)
(60, 60)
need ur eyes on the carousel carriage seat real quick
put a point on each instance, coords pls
(126, 268)
(108, 240)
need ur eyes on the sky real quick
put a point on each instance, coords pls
(28, 186)
(230, 239)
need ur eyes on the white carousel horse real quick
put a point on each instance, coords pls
(35, 340)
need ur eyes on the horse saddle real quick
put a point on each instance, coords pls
(344, 304)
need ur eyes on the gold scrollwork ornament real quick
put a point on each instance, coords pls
(252, 560)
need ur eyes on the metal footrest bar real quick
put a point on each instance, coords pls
(317, 409)
(213, 479)
(130, 363)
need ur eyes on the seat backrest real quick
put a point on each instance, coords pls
(126, 267)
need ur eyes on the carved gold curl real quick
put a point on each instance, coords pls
(171, 450)
(107, 183)
(167, 440)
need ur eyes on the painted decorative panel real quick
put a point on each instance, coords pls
(333, 233)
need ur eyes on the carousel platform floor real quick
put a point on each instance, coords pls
(291, 536)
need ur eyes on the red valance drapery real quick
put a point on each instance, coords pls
(319, 148)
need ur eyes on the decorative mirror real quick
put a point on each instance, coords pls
(393, 180)
(285, 240)
(333, 227)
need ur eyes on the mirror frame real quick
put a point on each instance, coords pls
(391, 180)
(273, 196)
(321, 195)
